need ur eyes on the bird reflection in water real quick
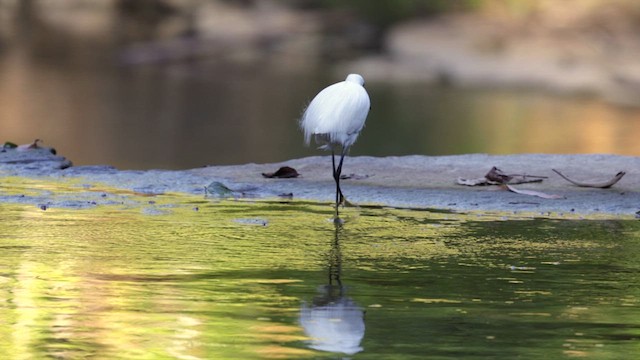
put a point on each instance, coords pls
(333, 321)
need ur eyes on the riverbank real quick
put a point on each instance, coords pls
(592, 52)
(424, 182)
(574, 47)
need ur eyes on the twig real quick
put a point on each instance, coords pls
(601, 185)
(533, 193)
(530, 176)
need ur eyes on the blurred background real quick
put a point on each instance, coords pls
(177, 84)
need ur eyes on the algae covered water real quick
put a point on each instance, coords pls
(190, 278)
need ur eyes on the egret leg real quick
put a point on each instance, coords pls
(336, 176)
(339, 169)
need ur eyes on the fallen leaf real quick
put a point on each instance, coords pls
(601, 185)
(284, 172)
(496, 175)
(33, 145)
(533, 193)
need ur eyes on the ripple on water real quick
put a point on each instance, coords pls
(234, 279)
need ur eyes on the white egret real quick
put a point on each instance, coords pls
(335, 118)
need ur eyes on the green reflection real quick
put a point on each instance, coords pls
(200, 279)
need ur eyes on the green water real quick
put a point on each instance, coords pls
(191, 278)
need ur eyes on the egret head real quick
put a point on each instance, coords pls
(356, 79)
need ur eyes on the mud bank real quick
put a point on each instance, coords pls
(427, 182)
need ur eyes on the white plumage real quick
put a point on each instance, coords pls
(337, 114)
(335, 118)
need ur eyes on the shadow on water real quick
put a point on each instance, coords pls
(126, 282)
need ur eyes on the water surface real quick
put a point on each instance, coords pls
(191, 278)
(186, 115)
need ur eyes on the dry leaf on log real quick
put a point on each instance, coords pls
(284, 172)
(498, 176)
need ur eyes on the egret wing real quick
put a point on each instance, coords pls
(339, 112)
